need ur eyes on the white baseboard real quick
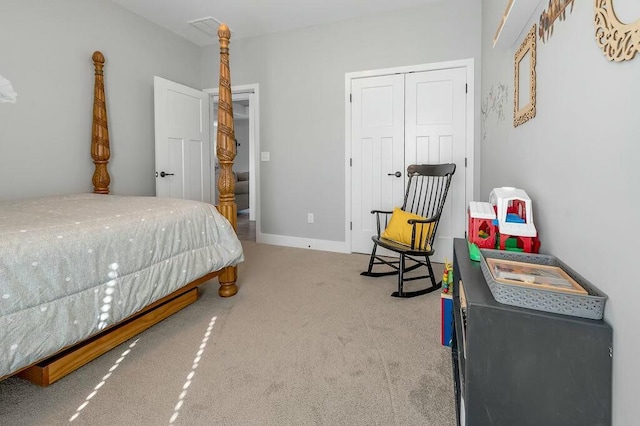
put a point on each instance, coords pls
(308, 243)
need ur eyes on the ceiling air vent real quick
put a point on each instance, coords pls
(208, 25)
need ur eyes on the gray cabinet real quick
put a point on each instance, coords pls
(517, 366)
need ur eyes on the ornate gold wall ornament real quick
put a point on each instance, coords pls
(523, 86)
(619, 42)
(556, 10)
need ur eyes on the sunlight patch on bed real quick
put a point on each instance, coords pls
(103, 381)
(192, 373)
(108, 298)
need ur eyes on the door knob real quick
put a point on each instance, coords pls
(396, 174)
(163, 174)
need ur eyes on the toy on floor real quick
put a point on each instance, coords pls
(514, 215)
(447, 278)
(446, 305)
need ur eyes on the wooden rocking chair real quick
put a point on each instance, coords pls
(411, 230)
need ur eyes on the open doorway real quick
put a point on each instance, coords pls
(245, 113)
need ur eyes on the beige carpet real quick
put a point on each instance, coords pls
(306, 341)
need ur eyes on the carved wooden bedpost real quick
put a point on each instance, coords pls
(226, 151)
(100, 132)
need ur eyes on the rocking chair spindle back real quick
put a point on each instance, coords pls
(425, 197)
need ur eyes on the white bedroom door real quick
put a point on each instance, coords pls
(182, 144)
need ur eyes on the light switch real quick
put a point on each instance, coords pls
(264, 156)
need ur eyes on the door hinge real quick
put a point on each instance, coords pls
(351, 226)
(350, 97)
(350, 162)
(465, 161)
(466, 88)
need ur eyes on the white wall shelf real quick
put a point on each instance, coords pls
(516, 15)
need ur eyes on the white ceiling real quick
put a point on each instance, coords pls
(249, 18)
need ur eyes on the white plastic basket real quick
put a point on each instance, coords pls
(586, 306)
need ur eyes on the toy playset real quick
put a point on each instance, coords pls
(504, 223)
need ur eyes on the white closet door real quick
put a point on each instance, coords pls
(435, 132)
(377, 146)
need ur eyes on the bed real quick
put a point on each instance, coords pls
(82, 273)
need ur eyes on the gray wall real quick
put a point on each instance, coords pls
(46, 53)
(577, 161)
(302, 114)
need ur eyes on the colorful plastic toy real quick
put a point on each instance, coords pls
(482, 228)
(446, 305)
(514, 217)
(474, 251)
(447, 278)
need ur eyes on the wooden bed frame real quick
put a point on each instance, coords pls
(47, 371)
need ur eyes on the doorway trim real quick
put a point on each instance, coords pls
(468, 65)
(249, 92)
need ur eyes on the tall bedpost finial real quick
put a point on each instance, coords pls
(224, 34)
(100, 131)
(226, 151)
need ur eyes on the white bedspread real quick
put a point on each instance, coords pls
(71, 266)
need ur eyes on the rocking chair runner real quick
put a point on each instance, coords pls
(425, 196)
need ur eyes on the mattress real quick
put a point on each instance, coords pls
(71, 266)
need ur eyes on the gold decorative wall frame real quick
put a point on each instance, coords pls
(618, 41)
(525, 55)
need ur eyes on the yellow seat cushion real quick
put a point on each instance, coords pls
(399, 230)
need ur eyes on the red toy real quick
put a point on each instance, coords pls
(482, 229)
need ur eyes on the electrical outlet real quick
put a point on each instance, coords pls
(265, 156)
(309, 217)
